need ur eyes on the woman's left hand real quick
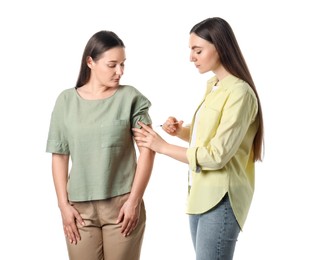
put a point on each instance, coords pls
(146, 137)
(129, 216)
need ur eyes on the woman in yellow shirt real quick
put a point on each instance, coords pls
(225, 140)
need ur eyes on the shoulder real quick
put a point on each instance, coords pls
(129, 90)
(237, 87)
(131, 96)
(67, 93)
(64, 96)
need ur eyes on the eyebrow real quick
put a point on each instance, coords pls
(115, 61)
(195, 47)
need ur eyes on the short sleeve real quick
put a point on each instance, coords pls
(57, 138)
(140, 111)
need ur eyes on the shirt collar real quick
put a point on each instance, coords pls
(225, 83)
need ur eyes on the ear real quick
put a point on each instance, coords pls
(89, 62)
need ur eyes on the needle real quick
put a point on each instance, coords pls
(175, 123)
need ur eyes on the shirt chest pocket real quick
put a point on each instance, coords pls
(209, 121)
(116, 133)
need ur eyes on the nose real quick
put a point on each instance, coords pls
(119, 70)
(192, 58)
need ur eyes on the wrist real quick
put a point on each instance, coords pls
(179, 132)
(62, 204)
(134, 200)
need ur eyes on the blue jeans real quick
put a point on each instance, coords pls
(215, 232)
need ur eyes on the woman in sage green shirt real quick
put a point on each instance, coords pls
(101, 196)
(225, 140)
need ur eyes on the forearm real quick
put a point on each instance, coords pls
(60, 164)
(174, 151)
(142, 174)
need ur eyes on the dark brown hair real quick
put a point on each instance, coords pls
(218, 32)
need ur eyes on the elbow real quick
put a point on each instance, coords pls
(213, 161)
(213, 165)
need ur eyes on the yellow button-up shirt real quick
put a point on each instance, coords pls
(221, 160)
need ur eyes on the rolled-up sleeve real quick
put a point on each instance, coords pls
(192, 158)
(140, 111)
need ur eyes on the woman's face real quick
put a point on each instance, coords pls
(203, 54)
(108, 70)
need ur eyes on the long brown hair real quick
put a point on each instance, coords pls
(99, 43)
(218, 32)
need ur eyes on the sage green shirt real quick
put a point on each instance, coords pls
(221, 159)
(97, 135)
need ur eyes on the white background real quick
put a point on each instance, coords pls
(41, 47)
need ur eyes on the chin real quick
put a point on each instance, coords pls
(115, 85)
(202, 71)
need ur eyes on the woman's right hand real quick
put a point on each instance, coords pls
(172, 126)
(70, 217)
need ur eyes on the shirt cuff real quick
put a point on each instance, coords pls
(192, 158)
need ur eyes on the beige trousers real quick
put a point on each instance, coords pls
(101, 238)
